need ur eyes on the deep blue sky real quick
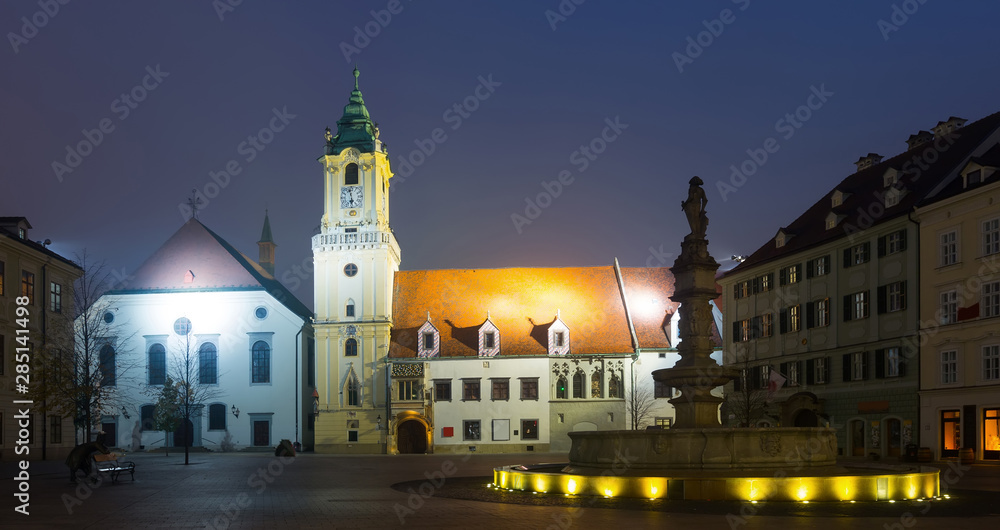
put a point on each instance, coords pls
(605, 60)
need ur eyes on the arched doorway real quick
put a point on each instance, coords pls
(184, 435)
(411, 437)
(806, 418)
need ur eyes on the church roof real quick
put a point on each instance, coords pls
(524, 302)
(355, 127)
(197, 259)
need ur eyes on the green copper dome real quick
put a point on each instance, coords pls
(355, 127)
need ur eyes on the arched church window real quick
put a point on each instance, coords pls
(615, 387)
(578, 385)
(349, 311)
(208, 364)
(107, 365)
(561, 392)
(351, 348)
(157, 364)
(351, 174)
(147, 412)
(595, 385)
(261, 362)
(353, 391)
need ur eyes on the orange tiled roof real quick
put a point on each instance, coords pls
(523, 302)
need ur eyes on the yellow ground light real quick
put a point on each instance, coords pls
(883, 487)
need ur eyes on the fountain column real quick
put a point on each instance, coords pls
(696, 373)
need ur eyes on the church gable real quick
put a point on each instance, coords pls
(196, 259)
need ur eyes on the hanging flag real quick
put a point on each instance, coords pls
(774, 383)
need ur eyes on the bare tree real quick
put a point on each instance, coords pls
(639, 404)
(83, 368)
(195, 387)
(748, 400)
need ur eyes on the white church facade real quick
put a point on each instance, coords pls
(249, 340)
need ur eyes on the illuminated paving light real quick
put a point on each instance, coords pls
(852, 502)
(753, 502)
(891, 501)
(795, 489)
(805, 502)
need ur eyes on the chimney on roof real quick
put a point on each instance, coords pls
(868, 161)
(916, 140)
(944, 128)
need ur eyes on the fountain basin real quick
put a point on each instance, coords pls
(708, 448)
(886, 483)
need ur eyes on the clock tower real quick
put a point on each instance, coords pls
(355, 257)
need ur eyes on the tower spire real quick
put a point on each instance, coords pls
(266, 246)
(355, 127)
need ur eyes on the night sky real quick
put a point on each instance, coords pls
(685, 109)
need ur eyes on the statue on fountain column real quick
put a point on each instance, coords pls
(694, 208)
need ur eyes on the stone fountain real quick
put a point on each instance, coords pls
(698, 458)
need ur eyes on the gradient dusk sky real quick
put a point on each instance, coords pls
(874, 73)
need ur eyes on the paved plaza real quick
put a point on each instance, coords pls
(257, 490)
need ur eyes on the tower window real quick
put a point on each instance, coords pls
(351, 174)
(350, 270)
(350, 308)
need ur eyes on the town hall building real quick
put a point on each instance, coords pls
(487, 360)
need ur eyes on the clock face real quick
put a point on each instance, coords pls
(351, 197)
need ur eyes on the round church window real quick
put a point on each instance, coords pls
(109, 317)
(350, 269)
(182, 326)
(261, 312)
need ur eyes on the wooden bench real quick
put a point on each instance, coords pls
(110, 464)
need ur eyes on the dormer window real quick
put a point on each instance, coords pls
(832, 220)
(892, 197)
(558, 337)
(973, 177)
(837, 198)
(22, 233)
(489, 339)
(428, 339)
(782, 238)
(891, 177)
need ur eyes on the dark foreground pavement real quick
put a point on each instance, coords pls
(257, 490)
